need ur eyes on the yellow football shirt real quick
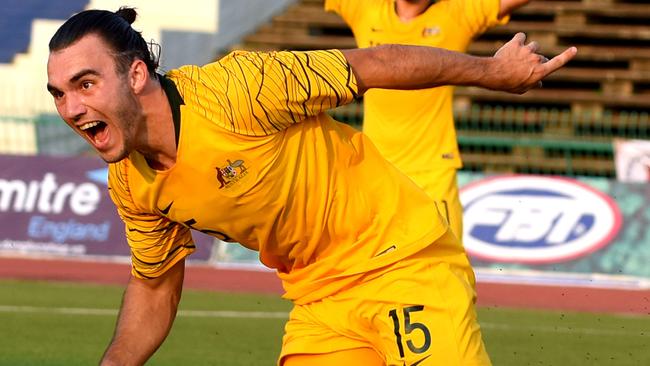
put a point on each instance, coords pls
(415, 129)
(259, 163)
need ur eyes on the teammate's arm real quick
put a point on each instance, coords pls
(506, 7)
(515, 68)
(146, 316)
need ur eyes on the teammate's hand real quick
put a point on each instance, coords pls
(521, 68)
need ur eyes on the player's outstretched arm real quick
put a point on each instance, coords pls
(147, 314)
(515, 68)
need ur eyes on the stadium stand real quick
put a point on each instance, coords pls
(28, 121)
(17, 21)
(564, 128)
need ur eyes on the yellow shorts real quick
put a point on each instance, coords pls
(419, 311)
(442, 186)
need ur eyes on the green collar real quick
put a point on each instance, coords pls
(175, 102)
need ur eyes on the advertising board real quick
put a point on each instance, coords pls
(61, 206)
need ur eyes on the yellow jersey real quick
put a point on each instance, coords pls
(260, 164)
(415, 129)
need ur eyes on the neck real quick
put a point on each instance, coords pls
(158, 141)
(408, 9)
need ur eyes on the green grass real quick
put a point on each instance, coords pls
(521, 337)
(39, 336)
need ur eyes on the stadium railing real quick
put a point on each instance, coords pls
(17, 135)
(535, 140)
(44, 134)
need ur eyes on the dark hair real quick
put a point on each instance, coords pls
(115, 29)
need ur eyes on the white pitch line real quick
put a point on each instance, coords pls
(568, 330)
(284, 315)
(234, 314)
(113, 312)
(69, 311)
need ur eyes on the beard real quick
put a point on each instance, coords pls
(129, 117)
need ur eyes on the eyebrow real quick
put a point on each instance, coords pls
(52, 89)
(74, 78)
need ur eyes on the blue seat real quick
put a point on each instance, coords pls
(16, 18)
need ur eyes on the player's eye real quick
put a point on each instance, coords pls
(86, 85)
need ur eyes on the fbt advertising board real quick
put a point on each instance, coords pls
(61, 206)
(582, 226)
(536, 219)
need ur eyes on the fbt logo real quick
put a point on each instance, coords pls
(534, 219)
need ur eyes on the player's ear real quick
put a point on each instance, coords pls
(138, 75)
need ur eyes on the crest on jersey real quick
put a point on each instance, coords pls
(430, 31)
(231, 172)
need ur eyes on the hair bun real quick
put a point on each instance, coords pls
(129, 14)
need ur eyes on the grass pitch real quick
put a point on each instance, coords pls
(43, 323)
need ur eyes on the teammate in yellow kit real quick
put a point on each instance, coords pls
(241, 149)
(415, 129)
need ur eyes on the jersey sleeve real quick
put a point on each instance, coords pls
(477, 16)
(156, 243)
(261, 93)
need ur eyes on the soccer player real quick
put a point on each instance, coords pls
(241, 149)
(414, 129)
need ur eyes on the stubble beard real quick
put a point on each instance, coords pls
(129, 116)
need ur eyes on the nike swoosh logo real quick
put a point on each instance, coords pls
(165, 210)
(420, 361)
(392, 247)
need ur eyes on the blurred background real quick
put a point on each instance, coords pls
(576, 151)
(554, 188)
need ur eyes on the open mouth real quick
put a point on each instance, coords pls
(95, 130)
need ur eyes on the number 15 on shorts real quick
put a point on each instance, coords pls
(406, 330)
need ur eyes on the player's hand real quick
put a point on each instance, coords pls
(521, 68)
